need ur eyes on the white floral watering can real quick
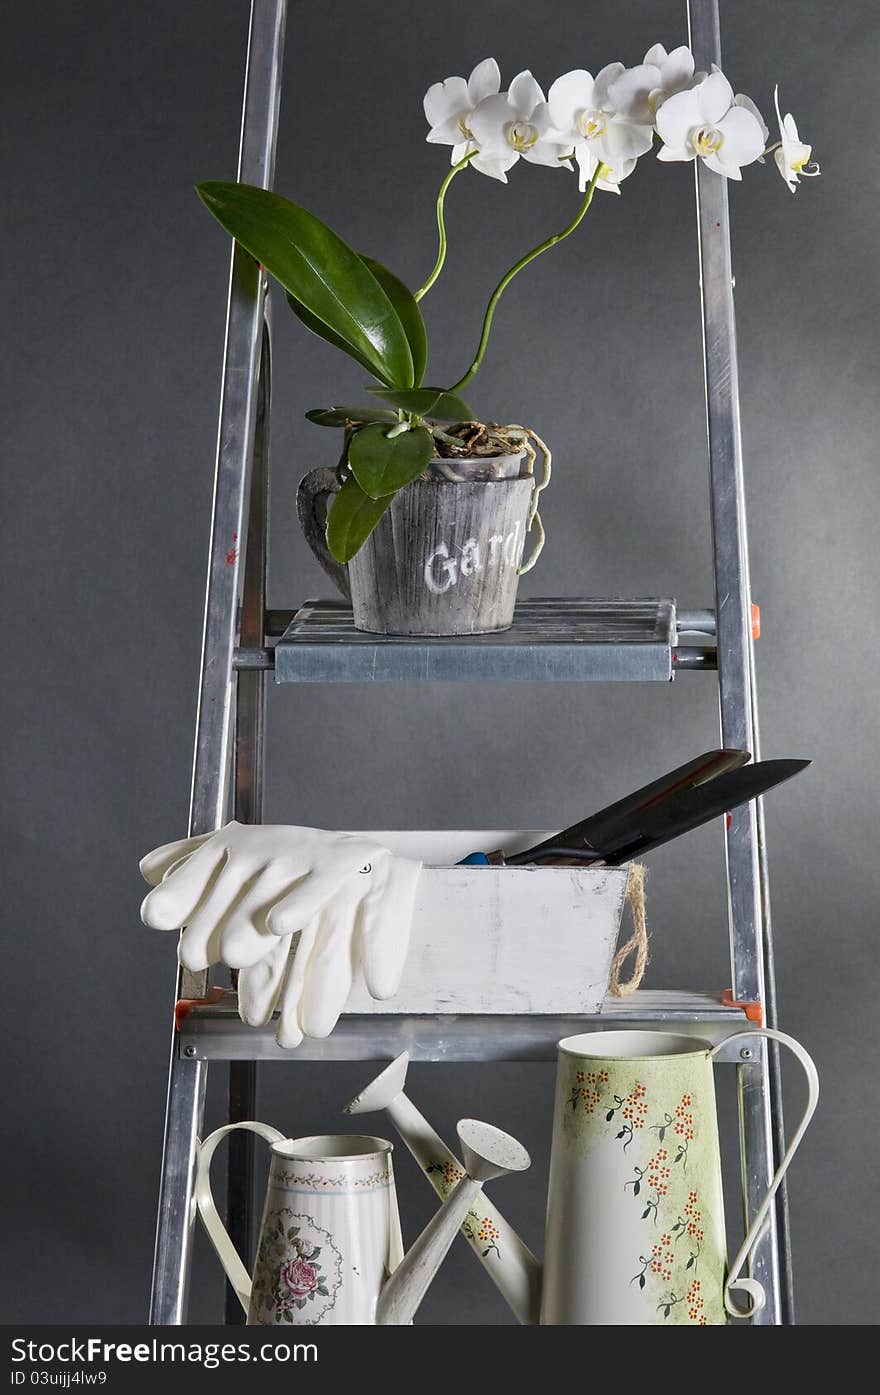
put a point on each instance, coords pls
(330, 1249)
(635, 1230)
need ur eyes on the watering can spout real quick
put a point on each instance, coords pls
(506, 1258)
(487, 1153)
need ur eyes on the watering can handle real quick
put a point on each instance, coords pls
(751, 1287)
(229, 1257)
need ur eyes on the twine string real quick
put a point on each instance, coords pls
(637, 944)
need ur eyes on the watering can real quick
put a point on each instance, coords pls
(330, 1249)
(635, 1231)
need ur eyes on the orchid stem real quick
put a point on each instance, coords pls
(517, 268)
(441, 225)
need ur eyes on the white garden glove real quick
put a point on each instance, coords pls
(295, 910)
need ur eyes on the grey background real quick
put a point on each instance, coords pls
(114, 286)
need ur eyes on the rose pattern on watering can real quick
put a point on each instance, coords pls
(298, 1268)
(654, 1120)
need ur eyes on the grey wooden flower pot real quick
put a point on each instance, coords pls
(443, 558)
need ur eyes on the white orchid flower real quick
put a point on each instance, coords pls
(791, 155)
(448, 109)
(516, 125)
(639, 93)
(710, 124)
(448, 106)
(586, 119)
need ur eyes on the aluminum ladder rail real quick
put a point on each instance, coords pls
(229, 730)
(751, 955)
(236, 578)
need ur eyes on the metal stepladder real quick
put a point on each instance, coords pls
(317, 645)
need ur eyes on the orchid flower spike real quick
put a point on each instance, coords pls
(791, 155)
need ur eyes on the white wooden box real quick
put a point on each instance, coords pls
(502, 939)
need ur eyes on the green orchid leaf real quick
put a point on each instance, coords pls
(382, 464)
(351, 519)
(316, 326)
(428, 402)
(408, 313)
(323, 274)
(351, 416)
(407, 310)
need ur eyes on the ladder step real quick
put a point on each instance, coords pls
(558, 639)
(554, 639)
(561, 639)
(215, 1031)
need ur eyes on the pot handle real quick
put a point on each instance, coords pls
(228, 1255)
(311, 507)
(734, 1283)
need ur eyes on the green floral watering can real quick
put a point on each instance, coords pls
(635, 1231)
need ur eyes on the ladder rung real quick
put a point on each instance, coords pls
(216, 1032)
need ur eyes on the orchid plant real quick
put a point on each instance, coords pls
(598, 127)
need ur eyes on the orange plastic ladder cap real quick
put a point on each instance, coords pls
(753, 1010)
(184, 1006)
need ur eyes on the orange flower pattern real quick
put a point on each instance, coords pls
(588, 1089)
(695, 1304)
(482, 1231)
(655, 1178)
(633, 1111)
(448, 1176)
(689, 1227)
(682, 1125)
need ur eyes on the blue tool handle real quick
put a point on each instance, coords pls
(475, 860)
